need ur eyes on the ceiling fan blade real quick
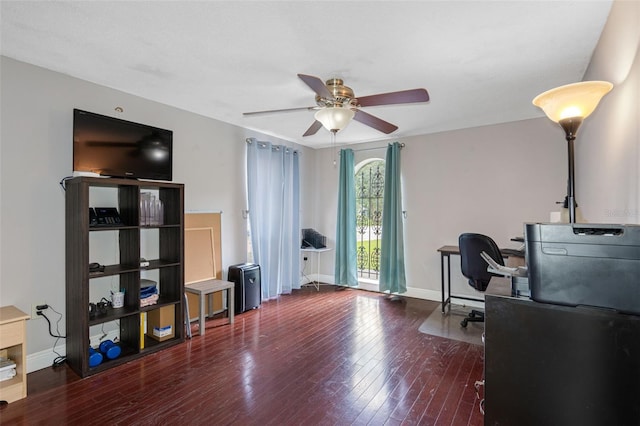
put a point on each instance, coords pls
(391, 98)
(313, 129)
(271, 111)
(316, 85)
(375, 122)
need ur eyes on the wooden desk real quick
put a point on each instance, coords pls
(447, 252)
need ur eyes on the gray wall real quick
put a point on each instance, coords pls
(36, 153)
(493, 179)
(608, 145)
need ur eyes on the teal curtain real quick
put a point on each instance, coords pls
(346, 268)
(392, 274)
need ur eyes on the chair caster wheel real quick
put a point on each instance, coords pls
(463, 323)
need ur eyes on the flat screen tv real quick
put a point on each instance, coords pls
(112, 147)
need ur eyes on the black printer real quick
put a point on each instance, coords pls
(579, 264)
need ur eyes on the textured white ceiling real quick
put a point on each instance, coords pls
(481, 61)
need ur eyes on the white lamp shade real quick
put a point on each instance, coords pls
(572, 100)
(334, 119)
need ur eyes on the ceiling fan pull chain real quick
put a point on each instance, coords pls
(333, 146)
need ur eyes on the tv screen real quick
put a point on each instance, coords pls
(113, 147)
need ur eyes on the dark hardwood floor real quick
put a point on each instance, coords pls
(346, 357)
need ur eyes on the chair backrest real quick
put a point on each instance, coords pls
(473, 265)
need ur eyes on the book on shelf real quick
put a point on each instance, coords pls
(6, 363)
(7, 374)
(7, 369)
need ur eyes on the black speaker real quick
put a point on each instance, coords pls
(248, 292)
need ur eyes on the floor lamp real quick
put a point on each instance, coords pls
(568, 106)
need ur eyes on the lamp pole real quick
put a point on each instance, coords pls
(570, 126)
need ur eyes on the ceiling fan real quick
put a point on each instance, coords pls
(336, 105)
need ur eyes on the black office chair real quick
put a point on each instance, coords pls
(474, 267)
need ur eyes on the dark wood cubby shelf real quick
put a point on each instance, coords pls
(170, 267)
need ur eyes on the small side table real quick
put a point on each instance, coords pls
(12, 346)
(317, 251)
(207, 288)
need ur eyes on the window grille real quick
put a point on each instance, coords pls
(369, 181)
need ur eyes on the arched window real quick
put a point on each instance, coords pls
(369, 181)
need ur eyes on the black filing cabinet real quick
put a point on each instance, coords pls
(248, 294)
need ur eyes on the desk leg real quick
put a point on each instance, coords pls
(201, 321)
(210, 305)
(186, 316)
(442, 281)
(317, 284)
(231, 303)
(449, 281)
(445, 300)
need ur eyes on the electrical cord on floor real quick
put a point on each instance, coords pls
(59, 359)
(478, 384)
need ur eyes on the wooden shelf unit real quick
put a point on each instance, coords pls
(12, 346)
(169, 267)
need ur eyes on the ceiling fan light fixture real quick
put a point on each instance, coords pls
(334, 118)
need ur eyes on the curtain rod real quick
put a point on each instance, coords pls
(273, 147)
(379, 147)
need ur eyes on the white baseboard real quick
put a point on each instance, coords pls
(43, 359)
(418, 293)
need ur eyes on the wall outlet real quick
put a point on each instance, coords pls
(34, 310)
